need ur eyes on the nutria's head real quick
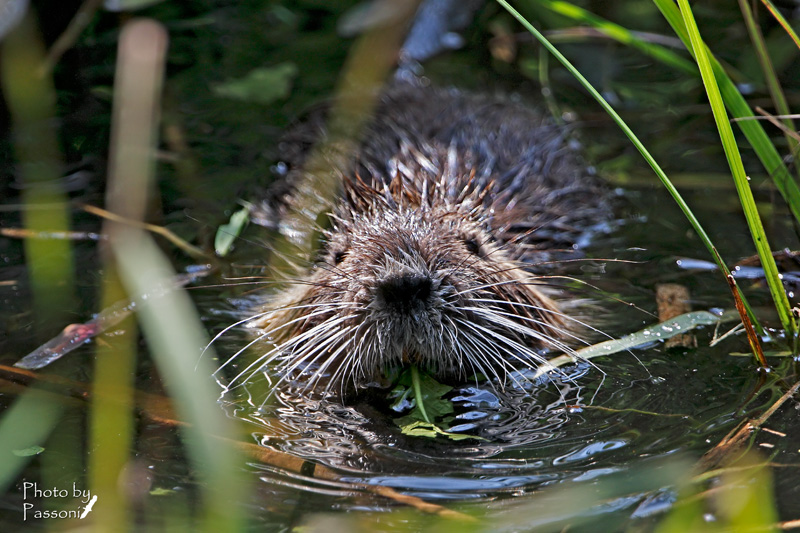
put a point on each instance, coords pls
(412, 273)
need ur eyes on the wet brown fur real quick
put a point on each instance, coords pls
(452, 197)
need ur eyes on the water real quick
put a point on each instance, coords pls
(614, 417)
(599, 451)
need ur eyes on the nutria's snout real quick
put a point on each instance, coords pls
(405, 313)
(404, 294)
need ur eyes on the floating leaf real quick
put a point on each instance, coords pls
(767, 353)
(658, 332)
(227, 233)
(261, 86)
(419, 428)
(162, 492)
(28, 452)
(428, 406)
(75, 335)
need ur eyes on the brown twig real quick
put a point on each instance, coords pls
(191, 250)
(158, 409)
(752, 338)
(23, 233)
(65, 41)
(735, 439)
(778, 124)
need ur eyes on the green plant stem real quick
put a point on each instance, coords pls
(31, 101)
(698, 228)
(167, 317)
(619, 34)
(418, 393)
(782, 21)
(771, 79)
(738, 107)
(737, 169)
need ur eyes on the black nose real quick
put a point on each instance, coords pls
(404, 293)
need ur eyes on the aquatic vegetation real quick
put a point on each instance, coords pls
(590, 443)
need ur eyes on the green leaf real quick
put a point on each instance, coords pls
(261, 85)
(227, 233)
(28, 452)
(619, 34)
(419, 428)
(767, 353)
(162, 492)
(429, 407)
(739, 108)
(662, 331)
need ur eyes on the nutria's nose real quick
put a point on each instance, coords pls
(405, 292)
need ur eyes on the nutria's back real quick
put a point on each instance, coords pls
(445, 205)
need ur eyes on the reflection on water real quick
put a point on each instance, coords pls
(595, 425)
(583, 426)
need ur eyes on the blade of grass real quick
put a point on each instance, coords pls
(28, 422)
(756, 136)
(752, 338)
(738, 107)
(774, 86)
(168, 319)
(619, 34)
(698, 228)
(31, 99)
(739, 176)
(782, 21)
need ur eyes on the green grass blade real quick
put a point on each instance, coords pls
(25, 425)
(771, 79)
(167, 316)
(737, 169)
(698, 228)
(738, 107)
(619, 34)
(782, 21)
(31, 102)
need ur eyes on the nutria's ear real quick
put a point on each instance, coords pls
(357, 193)
(475, 244)
(333, 252)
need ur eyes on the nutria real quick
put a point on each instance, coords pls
(446, 208)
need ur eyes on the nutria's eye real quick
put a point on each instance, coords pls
(473, 246)
(338, 256)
